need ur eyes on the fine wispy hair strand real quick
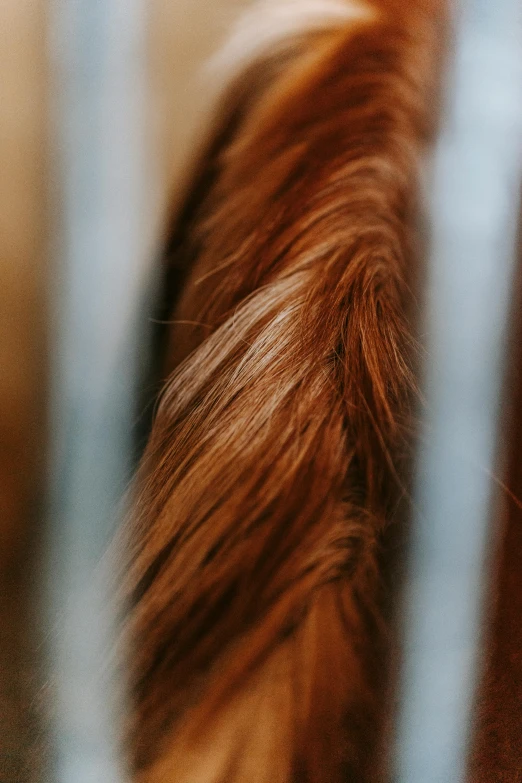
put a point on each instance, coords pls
(279, 453)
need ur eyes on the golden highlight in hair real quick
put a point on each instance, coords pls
(280, 452)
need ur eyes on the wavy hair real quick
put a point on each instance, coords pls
(279, 457)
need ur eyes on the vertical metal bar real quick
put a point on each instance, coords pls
(98, 49)
(477, 176)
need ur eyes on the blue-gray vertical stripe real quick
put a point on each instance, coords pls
(98, 275)
(474, 211)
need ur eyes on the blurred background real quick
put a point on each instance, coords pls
(181, 35)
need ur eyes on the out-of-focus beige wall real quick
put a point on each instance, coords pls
(22, 268)
(182, 34)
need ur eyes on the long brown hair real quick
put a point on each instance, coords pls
(279, 454)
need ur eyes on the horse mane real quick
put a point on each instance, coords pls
(279, 457)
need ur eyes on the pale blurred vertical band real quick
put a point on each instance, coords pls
(98, 48)
(474, 214)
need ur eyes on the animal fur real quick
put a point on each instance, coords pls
(278, 459)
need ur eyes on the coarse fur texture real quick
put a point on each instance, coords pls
(279, 454)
